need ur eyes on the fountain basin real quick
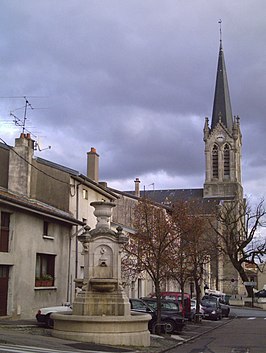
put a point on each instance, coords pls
(103, 284)
(131, 330)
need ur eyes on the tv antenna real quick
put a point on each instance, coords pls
(22, 122)
(17, 120)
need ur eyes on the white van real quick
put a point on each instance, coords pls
(215, 293)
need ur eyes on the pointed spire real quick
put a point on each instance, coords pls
(222, 106)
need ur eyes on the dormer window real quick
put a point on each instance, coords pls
(215, 162)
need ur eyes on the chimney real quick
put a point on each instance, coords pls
(137, 189)
(93, 165)
(20, 160)
(103, 184)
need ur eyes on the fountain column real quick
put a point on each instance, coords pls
(102, 292)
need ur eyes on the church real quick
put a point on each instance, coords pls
(223, 143)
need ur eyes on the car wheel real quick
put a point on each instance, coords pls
(169, 326)
(49, 321)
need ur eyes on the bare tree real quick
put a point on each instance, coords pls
(129, 267)
(194, 249)
(151, 244)
(238, 235)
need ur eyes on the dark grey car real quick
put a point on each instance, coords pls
(225, 307)
(211, 309)
(171, 320)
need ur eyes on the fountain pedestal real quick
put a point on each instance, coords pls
(101, 311)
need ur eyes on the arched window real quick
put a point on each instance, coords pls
(226, 161)
(215, 161)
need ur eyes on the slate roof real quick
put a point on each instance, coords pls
(74, 173)
(170, 196)
(222, 103)
(35, 206)
(57, 166)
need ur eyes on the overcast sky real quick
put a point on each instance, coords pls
(134, 79)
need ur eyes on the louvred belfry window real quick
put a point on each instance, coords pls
(226, 161)
(215, 161)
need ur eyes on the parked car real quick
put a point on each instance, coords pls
(212, 309)
(225, 307)
(260, 294)
(193, 310)
(171, 320)
(166, 304)
(177, 297)
(43, 315)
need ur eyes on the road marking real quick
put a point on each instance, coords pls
(177, 337)
(251, 318)
(28, 349)
(6, 348)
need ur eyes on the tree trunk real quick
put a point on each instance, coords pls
(159, 311)
(198, 298)
(243, 276)
(182, 288)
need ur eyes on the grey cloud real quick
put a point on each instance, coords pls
(134, 79)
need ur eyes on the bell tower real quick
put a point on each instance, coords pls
(223, 142)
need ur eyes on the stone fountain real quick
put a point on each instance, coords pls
(101, 311)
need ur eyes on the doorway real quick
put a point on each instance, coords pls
(4, 274)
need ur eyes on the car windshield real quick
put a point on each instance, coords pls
(208, 303)
(164, 305)
(169, 297)
(139, 305)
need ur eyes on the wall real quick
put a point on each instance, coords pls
(123, 213)
(26, 239)
(262, 276)
(49, 189)
(4, 158)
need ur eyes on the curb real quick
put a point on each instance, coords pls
(196, 336)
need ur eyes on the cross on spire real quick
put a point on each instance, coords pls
(220, 30)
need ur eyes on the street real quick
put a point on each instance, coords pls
(27, 349)
(243, 332)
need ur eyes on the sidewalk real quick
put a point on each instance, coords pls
(27, 332)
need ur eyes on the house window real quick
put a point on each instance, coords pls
(85, 194)
(4, 231)
(44, 271)
(45, 228)
(226, 161)
(215, 161)
(48, 230)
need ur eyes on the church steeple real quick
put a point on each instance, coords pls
(223, 142)
(222, 110)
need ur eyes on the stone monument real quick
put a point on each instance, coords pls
(101, 310)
